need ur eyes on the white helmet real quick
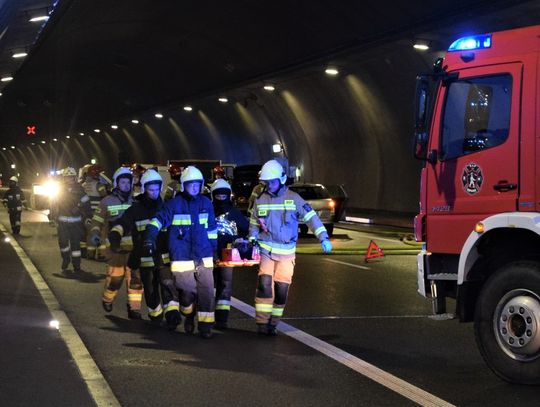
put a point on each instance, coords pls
(272, 170)
(69, 172)
(83, 171)
(220, 183)
(122, 171)
(14, 178)
(190, 173)
(151, 176)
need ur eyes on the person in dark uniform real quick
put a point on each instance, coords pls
(14, 201)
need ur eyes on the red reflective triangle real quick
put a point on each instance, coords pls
(372, 255)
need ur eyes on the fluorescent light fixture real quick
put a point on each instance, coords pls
(269, 88)
(38, 18)
(135, 121)
(19, 55)
(114, 126)
(0, 93)
(42, 141)
(421, 45)
(12, 166)
(6, 78)
(81, 134)
(54, 324)
(93, 161)
(277, 148)
(68, 137)
(97, 130)
(3, 148)
(188, 108)
(13, 147)
(223, 100)
(54, 139)
(331, 71)
(158, 116)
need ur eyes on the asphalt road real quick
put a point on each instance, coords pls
(369, 311)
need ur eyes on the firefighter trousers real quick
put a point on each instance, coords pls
(274, 280)
(151, 278)
(223, 280)
(117, 271)
(69, 240)
(15, 221)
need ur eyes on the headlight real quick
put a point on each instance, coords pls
(49, 189)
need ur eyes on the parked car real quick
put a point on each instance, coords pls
(318, 197)
(245, 177)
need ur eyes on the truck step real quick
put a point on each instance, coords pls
(443, 276)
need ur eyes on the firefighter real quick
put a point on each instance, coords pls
(14, 201)
(134, 221)
(110, 209)
(68, 210)
(274, 225)
(173, 187)
(96, 190)
(191, 225)
(230, 232)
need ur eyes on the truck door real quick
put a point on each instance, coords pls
(476, 137)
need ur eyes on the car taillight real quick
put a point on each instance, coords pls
(331, 204)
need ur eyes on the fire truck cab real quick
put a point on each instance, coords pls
(477, 127)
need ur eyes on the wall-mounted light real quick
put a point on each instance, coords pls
(135, 121)
(3, 148)
(12, 166)
(43, 141)
(13, 147)
(93, 161)
(19, 55)
(158, 116)
(223, 100)
(114, 126)
(421, 45)
(269, 88)
(331, 70)
(188, 108)
(81, 134)
(97, 130)
(277, 148)
(37, 19)
(54, 139)
(6, 78)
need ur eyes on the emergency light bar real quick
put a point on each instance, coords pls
(471, 43)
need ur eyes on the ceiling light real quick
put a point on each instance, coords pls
(13, 166)
(223, 100)
(13, 147)
(114, 126)
(188, 108)
(81, 134)
(158, 116)
(97, 130)
(54, 139)
(421, 45)
(68, 137)
(0, 93)
(135, 121)
(269, 88)
(3, 148)
(6, 78)
(38, 18)
(331, 71)
(19, 55)
(42, 141)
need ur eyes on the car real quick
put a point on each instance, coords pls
(318, 197)
(245, 178)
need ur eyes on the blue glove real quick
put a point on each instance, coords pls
(326, 246)
(96, 240)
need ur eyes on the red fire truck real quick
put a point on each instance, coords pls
(477, 127)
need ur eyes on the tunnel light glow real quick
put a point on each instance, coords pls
(135, 121)
(13, 147)
(3, 148)
(188, 108)
(114, 126)
(93, 161)
(38, 18)
(6, 78)
(331, 71)
(158, 116)
(421, 47)
(50, 188)
(0, 93)
(12, 166)
(68, 137)
(43, 142)
(269, 88)
(7, 239)
(277, 148)
(54, 324)
(81, 134)
(97, 130)
(223, 100)
(54, 139)
(19, 55)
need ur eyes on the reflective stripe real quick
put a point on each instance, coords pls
(203, 219)
(156, 223)
(76, 253)
(147, 262)
(309, 215)
(98, 219)
(275, 248)
(277, 312)
(223, 305)
(181, 220)
(287, 206)
(253, 221)
(119, 229)
(212, 234)
(206, 317)
(155, 312)
(320, 230)
(172, 306)
(141, 224)
(263, 307)
(135, 297)
(165, 257)
(208, 262)
(187, 310)
(69, 218)
(64, 249)
(182, 266)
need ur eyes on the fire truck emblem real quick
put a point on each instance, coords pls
(472, 178)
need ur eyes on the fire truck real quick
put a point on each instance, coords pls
(477, 128)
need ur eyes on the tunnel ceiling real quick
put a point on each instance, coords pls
(97, 62)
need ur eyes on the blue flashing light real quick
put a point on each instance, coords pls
(471, 43)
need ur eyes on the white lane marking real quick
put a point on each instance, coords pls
(372, 372)
(347, 264)
(360, 317)
(98, 387)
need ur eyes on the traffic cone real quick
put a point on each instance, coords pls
(373, 246)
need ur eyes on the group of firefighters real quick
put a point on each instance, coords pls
(170, 250)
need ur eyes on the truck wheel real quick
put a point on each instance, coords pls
(507, 322)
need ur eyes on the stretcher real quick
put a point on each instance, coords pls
(230, 257)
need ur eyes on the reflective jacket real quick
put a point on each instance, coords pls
(133, 222)
(14, 199)
(95, 190)
(192, 231)
(71, 205)
(109, 210)
(274, 222)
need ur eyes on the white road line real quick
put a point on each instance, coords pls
(359, 317)
(98, 387)
(385, 379)
(347, 264)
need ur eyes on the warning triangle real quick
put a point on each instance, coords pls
(373, 251)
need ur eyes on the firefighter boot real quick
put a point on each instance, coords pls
(189, 323)
(221, 319)
(173, 319)
(133, 313)
(266, 329)
(65, 265)
(205, 333)
(156, 320)
(107, 306)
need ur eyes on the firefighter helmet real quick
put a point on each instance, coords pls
(220, 184)
(151, 177)
(191, 173)
(69, 172)
(14, 179)
(83, 171)
(272, 170)
(175, 169)
(122, 172)
(94, 171)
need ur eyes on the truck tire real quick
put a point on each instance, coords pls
(507, 322)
